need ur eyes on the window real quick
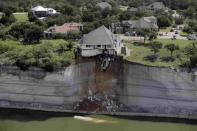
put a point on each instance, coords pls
(99, 46)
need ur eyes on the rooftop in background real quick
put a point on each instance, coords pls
(104, 5)
(65, 28)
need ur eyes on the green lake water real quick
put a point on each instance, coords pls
(71, 124)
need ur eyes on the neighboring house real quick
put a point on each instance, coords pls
(63, 30)
(42, 12)
(156, 6)
(99, 41)
(131, 26)
(104, 5)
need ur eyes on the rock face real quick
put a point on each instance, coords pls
(123, 89)
(158, 91)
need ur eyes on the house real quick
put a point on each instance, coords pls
(63, 30)
(104, 5)
(156, 6)
(131, 26)
(149, 23)
(99, 41)
(41, 12)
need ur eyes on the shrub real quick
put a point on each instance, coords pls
(151, 58)
(167, 59)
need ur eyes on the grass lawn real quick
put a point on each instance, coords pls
(165, 29)
(21, 17)
(71, 124)
(139, 52)
(184, 34)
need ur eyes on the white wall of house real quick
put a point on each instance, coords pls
(92, 50)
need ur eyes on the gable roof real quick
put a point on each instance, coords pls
(100, 36)
(104, 5)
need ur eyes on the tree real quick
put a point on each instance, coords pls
(7, 18)
(88, 16)
(88, 27)
(155, 47)
(134, 3)
(68, 10)
(31, 17)
(126, 15)
(33, 34)
(106, 12)
(56, 20)
(152, 35)
(70, 45)
(171, 47)
(146, 33)
(164, 21)
(179, 21)
(191, 53)
(190, 12)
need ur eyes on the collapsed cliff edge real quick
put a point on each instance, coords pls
(121, 89)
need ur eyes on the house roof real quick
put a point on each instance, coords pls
(65, 28)
(104, 5)
(157, 5)
(100, 36)
(150, 18)
(145, 23)
(39, 8)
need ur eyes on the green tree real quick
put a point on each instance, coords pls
(172, 47)
(68, 10)
(164, 21)
(155, 47)
(33, 34)
(7, 19)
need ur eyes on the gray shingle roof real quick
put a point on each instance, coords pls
(145, 23)
(100, 36)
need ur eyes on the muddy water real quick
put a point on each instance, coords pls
(71, 124)
(124, 89)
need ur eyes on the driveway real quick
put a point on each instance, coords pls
(170, 35)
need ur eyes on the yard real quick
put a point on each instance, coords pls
(138, 52)
(21, 17)
(167, 29)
